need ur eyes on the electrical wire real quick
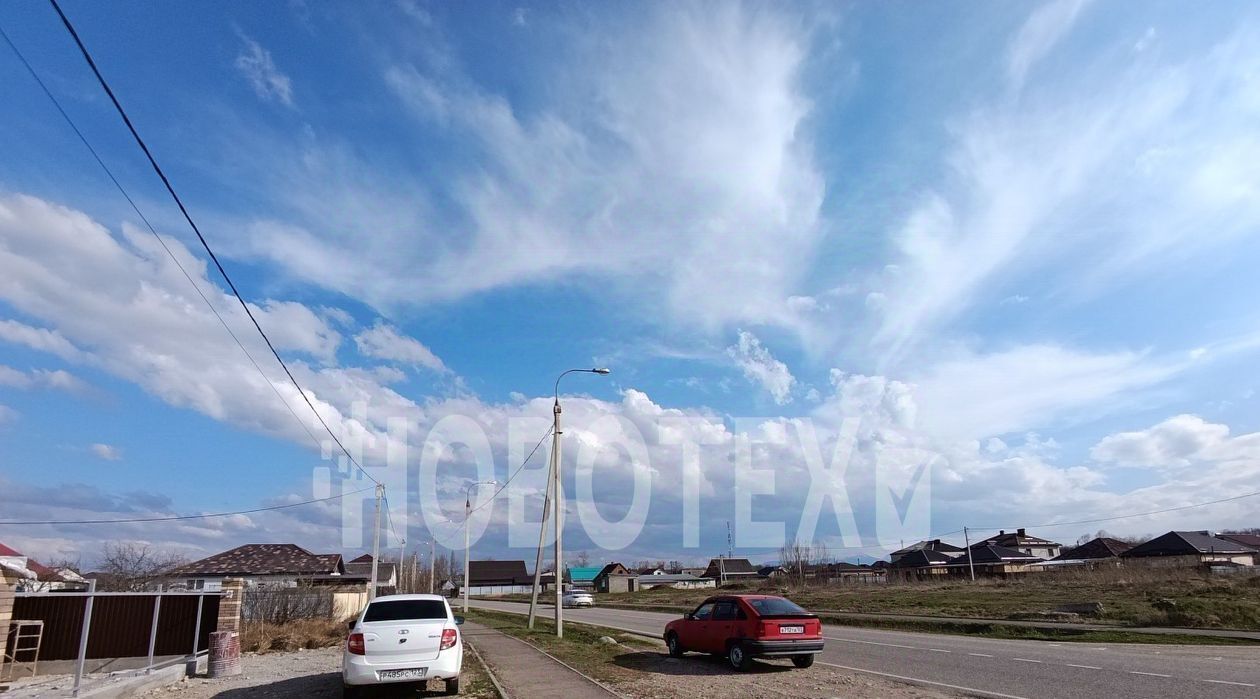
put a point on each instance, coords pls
(121, 190)
(1097, 520)
(87, 56)
(514, 473)
(174, 518)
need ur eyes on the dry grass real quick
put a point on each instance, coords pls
(260, 637)
(1129, 596)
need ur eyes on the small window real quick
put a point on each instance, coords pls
(703, 612)
(724, 611)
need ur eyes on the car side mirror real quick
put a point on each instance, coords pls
(458, 620)
(689, 616)
(352, 623)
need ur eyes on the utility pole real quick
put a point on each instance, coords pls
(557, 513)
(467, 514)
(376, 540)
(970, 566)
(432, 563)
(542, 537)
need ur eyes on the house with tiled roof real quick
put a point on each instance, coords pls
(935, 545)
(1251, 541)
(726, 570)
(33, 576)
(920, 564)
(386, 573)
(1021, 540)
(615, 577)
(494, 578)
(279, 565)
(1097, 551)
(1190, 548)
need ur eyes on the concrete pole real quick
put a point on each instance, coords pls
(970, 566)
(376, 540)
(467, 514)
(432, 564)
(557, 513)
(83, 637)
(542, 538)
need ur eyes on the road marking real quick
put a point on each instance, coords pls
(1236, 684)
(870, 643)
(981, 655)
(915, 680)
(1026, 660)
(940, 650)
(1148, 674)
(1086, 667)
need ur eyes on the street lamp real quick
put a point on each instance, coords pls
(556, 490)
(467, 515)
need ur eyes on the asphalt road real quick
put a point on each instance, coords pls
(1002, 668)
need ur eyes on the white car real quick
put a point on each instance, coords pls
(577, 598)
(403, 639)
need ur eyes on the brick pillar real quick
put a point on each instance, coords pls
(230, 605)
(8, 586)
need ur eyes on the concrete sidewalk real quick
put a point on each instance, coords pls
(526, 672)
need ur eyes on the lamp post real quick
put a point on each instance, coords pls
(467, 515)
(557, 510)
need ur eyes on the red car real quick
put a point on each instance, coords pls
(743, 627)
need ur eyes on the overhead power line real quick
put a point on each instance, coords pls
(87, 56)
(174, 518)
(109, 173)
(514, 473)
(1098, 520)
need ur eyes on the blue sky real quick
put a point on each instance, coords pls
(1018, 236)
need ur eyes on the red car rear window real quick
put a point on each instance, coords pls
(774, 606)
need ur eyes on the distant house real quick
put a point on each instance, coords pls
(1251, 541)
(615, 577)
(680, 581)
(920, 564)
(934, 545)
(726, 570)
(386, 573)
(651, 570)
(583, 577)
(494, 578)
(770, 571)
(33, 576)
(1195, 548)
(1100, 551)
(1021, 540)
(277, 565)
(993, 561)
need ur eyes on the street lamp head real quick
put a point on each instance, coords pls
(601, 370)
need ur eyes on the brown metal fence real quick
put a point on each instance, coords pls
(122, 623)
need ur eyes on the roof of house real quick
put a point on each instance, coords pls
(1102, 547)
(1248, 540)
(729, 566)
(384, 571)
(613, 569)
(931, 545)
(649, 570)
(583, 573)
(1186, 544)
(766, 571)
(40, 570)
(922, 558)
(498, 573)
(989, 553)
(365, 558)
(265, 559)
(1014, 539)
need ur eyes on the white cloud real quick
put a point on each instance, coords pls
(38, 338)
(761, 368)
(1039, 35)
(7, 414)
(383, 341)
(106, 452)
(697, 150)
(256, 65)
(40, 378)
(974, 396)
(1174, 443)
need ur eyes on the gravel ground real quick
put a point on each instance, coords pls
(314, 674)
(704, 677)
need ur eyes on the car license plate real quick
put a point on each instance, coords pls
(791, 629)
(412, 673)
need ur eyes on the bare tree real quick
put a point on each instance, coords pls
(583, 559)
(127, 567)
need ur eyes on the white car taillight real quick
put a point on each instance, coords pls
(449, 636)
(355, 645)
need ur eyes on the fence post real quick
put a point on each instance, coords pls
(190, 667)
(83, 636)
(157, 611)
(8, 586)
(230, 602)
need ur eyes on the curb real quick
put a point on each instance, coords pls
(489, 673)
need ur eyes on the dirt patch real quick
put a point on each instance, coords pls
(312, 674)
